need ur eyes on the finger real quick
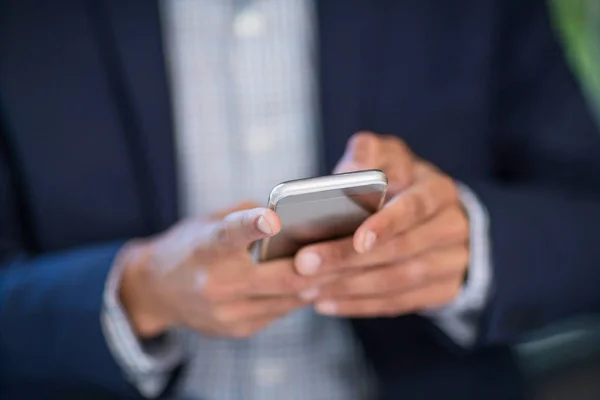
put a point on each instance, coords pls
(326, 256)
(245, 310)
(245, 205)
(363, 151)
(447, 228)
(273, 278)
(409, 208)
(240, 229)
(405, 276)
(340, 255)
(435, 295)
(367, 150)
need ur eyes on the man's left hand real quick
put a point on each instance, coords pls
(410, 256)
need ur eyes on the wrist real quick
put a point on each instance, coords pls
(137, 292)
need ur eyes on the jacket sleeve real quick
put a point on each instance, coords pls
(50, 307)
(50, 318)
(546, 259)
(543, 196)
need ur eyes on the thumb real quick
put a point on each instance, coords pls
(219, 215)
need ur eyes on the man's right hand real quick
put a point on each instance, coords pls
(199, 274)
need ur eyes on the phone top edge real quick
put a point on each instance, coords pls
(328, 182)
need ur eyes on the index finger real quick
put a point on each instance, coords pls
(335, 255)
(245, 205)
(367, 150)
(240, 229)
(407, 209)
(275, 278)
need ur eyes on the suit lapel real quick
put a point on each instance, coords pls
(135, 44)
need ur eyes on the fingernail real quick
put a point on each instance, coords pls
(309, 294)
(263, 225)
(326, 307)
(308, 263)
(369, 240)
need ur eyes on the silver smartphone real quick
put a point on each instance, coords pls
(324, 208)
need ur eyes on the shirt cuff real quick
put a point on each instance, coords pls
(459, 319)
(146, 365)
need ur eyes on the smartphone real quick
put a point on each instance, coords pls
(317, 209)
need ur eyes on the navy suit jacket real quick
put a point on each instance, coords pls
(478, 87)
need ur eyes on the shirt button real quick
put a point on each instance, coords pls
(248, 24)
(269, 373)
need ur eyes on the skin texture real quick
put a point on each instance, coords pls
(410, 256)
(200, 274)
